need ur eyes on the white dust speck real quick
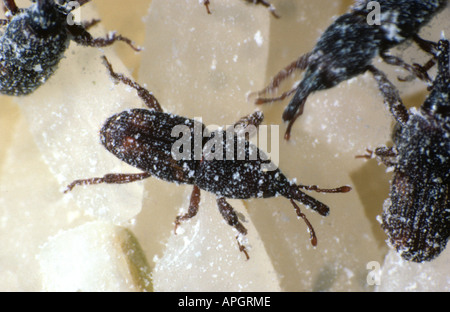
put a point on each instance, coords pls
(258, 38)
(213, 64)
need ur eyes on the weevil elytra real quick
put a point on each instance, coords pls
(35, 40)
(143, 138)
(416, 216)
(347, 47)
(267, 4)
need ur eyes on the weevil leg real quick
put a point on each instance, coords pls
(312, 233)
(228, 213)
(429, 47)
(254, 119)
(416, 70)
(143, 93)
(284, 95)
(111, 178)
(387, 155)
(206, 4)
(368, 155)
(11, 7)
(83, 2)
(91, 23)
(193, 207)
(315, 188)
(248, 124)
(300, 64)
(83, 37)
(422, 68)
(268, 5)
(391, 96)
(426, 45)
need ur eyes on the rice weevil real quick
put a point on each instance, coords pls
(349, 44)
(144, 139)
(35, 40)
(416, 216)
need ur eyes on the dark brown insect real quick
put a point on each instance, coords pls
(267, 4)
(148, 139)
(349, 44)
(416, 217)
(35, 40)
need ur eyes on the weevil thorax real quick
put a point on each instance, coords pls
(233, 167)
(423, 143)
(343, 51)
(31, 47)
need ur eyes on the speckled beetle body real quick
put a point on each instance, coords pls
(347, 47)
(34, 42)
(143, 138)
(416, 217)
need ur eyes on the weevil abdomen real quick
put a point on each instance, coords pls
(416, 217)
(30, 50)
(143, 139)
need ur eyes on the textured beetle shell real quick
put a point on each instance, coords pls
(416, 218)
(349, 44)
(30, 49)
(143, 138)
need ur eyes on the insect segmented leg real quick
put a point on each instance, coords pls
(268, 5)
(254, 119)
(143, 93)
(82, 37)
(429, 47)
(387, 155)
(90, 23)
(193, 207)
(315, 188)
(312, 233)
(416, 70)
(248, 124)
(111, 178)
(11, 7)
(426, 45)
(368, 155)
(82, 2)
(228, 213)
(299, 64)
(206, 4)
